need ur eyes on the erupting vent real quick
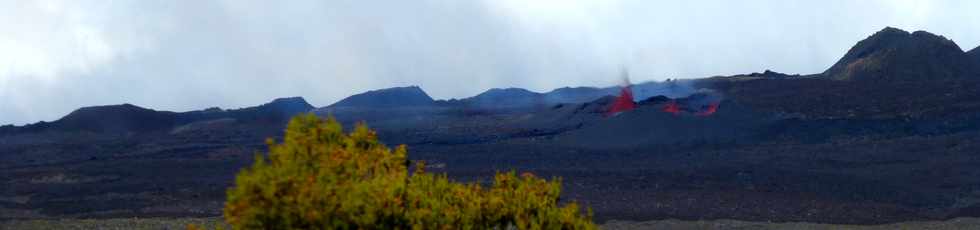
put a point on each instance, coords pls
(624, 102)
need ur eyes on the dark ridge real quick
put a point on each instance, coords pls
(505, 93)
(114, 118)
(899, 55)
(127, 118)
(8, 129)
(278, 110)
(517, 97)
(390, 97)
(288, 105)
(771, 74)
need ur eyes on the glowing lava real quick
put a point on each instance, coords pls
(700, 104)
(672, 107)
(623, 103)
(710, 109)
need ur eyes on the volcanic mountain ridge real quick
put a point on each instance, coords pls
(126, 118)
(895, 54)
(390, 97)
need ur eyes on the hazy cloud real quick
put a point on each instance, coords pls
(56, 56)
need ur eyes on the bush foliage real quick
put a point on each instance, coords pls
(321, 178)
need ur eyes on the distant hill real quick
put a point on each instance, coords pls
(895, 54)
(126, 118)
(390, 97)
(280, 109)
(504, 98)
(113, 118)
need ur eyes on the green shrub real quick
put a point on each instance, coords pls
(321, 178)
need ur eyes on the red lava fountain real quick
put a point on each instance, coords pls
(624, 102)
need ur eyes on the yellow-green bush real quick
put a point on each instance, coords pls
(321, 178)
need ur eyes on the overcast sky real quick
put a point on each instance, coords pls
(56, 56)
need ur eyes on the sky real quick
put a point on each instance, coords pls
(181, 55)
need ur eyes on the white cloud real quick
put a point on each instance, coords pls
(43, 39)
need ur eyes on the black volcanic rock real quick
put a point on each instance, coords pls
(114, 118)
(896, 54)
(975, 55)
(390, 97)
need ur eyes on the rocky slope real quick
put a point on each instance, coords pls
(895, 54)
